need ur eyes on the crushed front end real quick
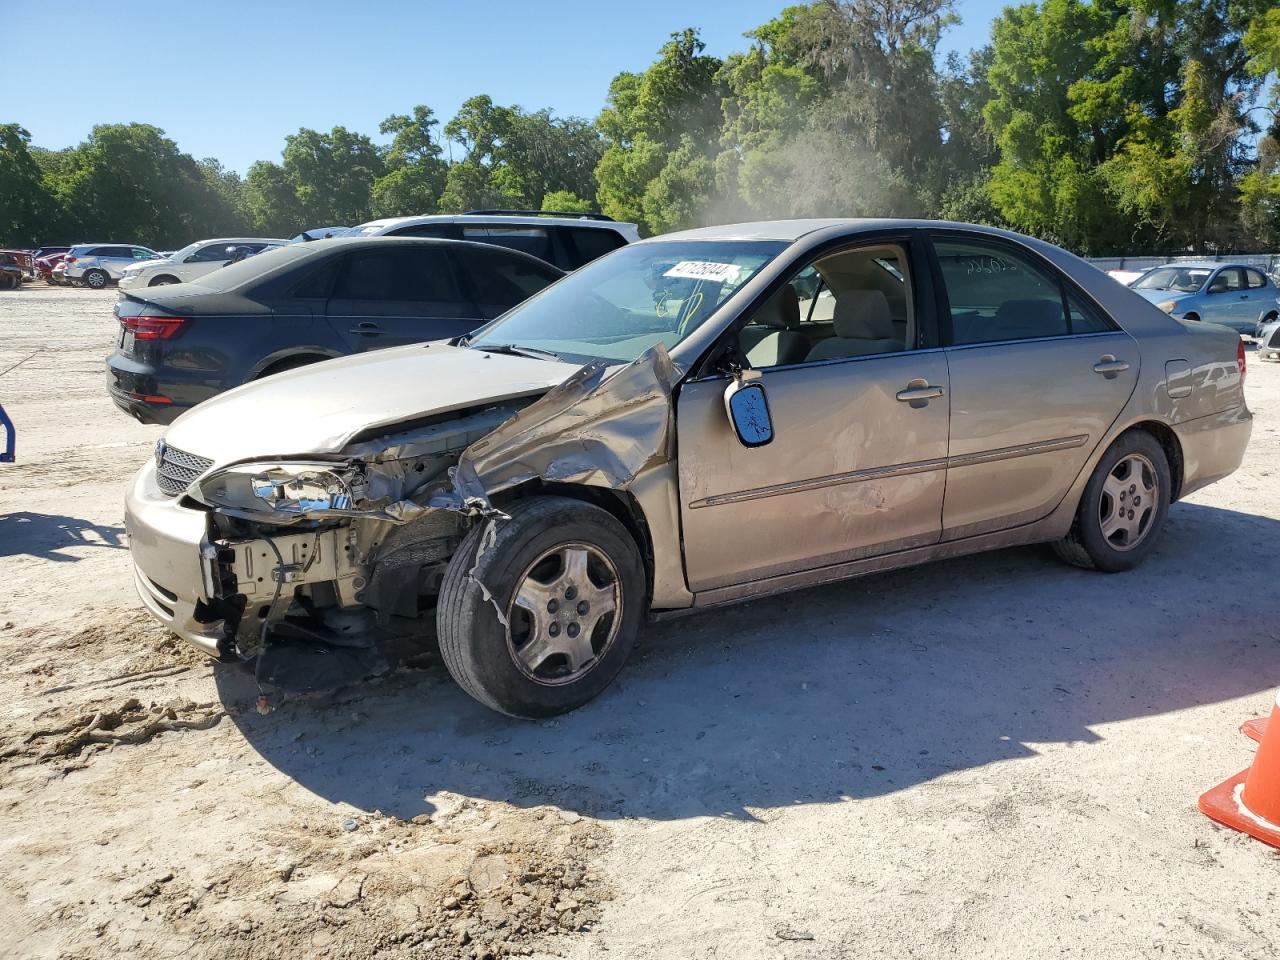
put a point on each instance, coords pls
(225, 556)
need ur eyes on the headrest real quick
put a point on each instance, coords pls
(863, 315)
(781, 311)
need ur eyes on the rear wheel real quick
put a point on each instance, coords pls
(95, 279)
(538, 613)
(1123, 508)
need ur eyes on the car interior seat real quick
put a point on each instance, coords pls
(770, 339)
(863, 326)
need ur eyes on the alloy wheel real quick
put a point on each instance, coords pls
(565, 614)
(1128, 503)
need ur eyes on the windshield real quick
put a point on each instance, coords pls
(1182, 279)
(619, 306)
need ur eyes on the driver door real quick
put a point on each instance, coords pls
(857, 463)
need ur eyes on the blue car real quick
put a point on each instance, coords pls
(1242, 298)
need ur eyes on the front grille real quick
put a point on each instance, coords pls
(177, 469)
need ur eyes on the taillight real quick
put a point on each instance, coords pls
(153, 328)
(1240, 358)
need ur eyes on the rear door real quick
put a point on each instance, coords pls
(393, 294)
(1038, 375)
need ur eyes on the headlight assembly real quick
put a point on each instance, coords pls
(283, 492)
(1167, 305)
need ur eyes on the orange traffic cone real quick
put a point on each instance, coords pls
(1255, 729)
(1250, 801)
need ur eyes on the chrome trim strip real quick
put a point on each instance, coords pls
(1021, 450)
(899, 470)
(817, 483)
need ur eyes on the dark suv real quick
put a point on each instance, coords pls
(181, 344)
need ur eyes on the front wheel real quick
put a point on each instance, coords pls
(538, 613)
(95, 279)
(163, 281)
(1123, 508)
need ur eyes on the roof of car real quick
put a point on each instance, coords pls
(243, 240)
(1202, 264)
(792, 230)
(520, 219)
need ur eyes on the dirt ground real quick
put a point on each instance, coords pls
(991, 757)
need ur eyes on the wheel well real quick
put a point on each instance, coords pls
(163, 276)
(1172, 450)
(289, 363)
(620, 504)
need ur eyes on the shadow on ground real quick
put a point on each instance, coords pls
(856, 689)
(43, 535)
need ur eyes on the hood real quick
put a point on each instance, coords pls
(141, 265)
(1160, 296)
(318, 409)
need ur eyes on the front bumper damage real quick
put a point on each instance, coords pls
(230, 585)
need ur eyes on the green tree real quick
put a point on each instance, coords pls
(26, 205)
(654, 121)
(566, 201)
(416, 173)
(323, 179)
(131, 182)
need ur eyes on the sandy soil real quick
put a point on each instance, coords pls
(991, 757)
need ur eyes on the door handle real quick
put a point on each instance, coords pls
(919, 392)
(366, 329)
(1109, 366)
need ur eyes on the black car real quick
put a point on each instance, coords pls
(284, 308)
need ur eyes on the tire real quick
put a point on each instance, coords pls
(527, 558)
(95, 279)
(1130, 534)
(163, 281)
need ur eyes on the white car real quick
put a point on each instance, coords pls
(98, 264)
(565, 240)
(192, 261)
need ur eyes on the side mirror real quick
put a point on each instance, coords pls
(748, 408)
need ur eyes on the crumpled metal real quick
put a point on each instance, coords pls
(600, 427)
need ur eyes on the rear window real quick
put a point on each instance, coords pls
(1255, 279)
(238, 274)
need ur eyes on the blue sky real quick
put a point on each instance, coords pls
(230, 79)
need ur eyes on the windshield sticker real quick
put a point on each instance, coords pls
(705, 270)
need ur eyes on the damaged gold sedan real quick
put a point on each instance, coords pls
(693, 420)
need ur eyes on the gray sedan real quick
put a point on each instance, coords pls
(693, 420)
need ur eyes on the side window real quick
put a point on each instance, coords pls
(139, 254)
(853, 303)
(213, 252)
(501, 280)
(1226, 280)
(532, 240)
(1255, 279)
(585, 244)
(997, 294)
(420, 274)
(317, 283)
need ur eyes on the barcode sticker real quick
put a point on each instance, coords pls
(704, 270)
